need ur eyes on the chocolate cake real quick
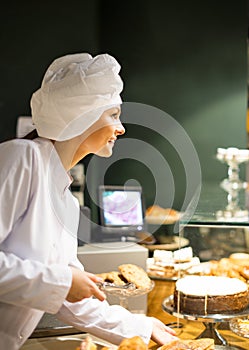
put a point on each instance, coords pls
(204, 295)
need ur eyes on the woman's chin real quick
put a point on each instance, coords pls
(105, 152)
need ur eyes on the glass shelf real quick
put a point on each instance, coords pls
(212, 203)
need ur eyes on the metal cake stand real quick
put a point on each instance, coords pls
(210, 321)
(123, 292)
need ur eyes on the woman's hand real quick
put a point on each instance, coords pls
(84, 286)
(162, 334)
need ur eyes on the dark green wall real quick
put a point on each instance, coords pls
(32, 35)
(187, 58)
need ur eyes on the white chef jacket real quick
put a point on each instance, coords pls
(38, 242)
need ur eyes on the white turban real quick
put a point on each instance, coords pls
(75, 91)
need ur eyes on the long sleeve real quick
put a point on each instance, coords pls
(32, 284)
(110, 322)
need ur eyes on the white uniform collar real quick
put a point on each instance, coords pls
(62, 179)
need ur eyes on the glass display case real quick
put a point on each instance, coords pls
(211, 234)
(214, 236)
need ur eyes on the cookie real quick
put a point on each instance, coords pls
(113, 277)
(135, 274)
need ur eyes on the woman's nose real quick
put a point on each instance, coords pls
(120, 130)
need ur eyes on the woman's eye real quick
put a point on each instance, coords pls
(115, 116)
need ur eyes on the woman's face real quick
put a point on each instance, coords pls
(101, 136)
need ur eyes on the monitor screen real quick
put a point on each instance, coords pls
(121, 206)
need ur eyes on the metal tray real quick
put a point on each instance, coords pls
(62, 343)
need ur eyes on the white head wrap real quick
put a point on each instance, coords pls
(75, 91)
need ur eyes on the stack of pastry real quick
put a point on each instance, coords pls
(236, 266)
(168, 264)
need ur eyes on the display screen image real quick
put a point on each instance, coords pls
(121, 207)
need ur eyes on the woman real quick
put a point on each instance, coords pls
(75, 112)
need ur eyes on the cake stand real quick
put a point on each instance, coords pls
(124, 292)
(233, 157)
(210, 321)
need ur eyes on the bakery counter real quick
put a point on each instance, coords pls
(162, 289)
(190, 329)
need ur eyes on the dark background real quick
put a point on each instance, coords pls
(187, 58)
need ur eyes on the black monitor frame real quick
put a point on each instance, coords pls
(120, 229)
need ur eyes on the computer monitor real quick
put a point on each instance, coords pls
(121, 209)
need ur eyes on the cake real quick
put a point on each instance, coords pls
(204, 295)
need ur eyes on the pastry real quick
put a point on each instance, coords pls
(128, 273)
(135, 274)
(196, 344)
(240, 259)
(157, 214)
(134, 343)
(113, 277)
(87, 344)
